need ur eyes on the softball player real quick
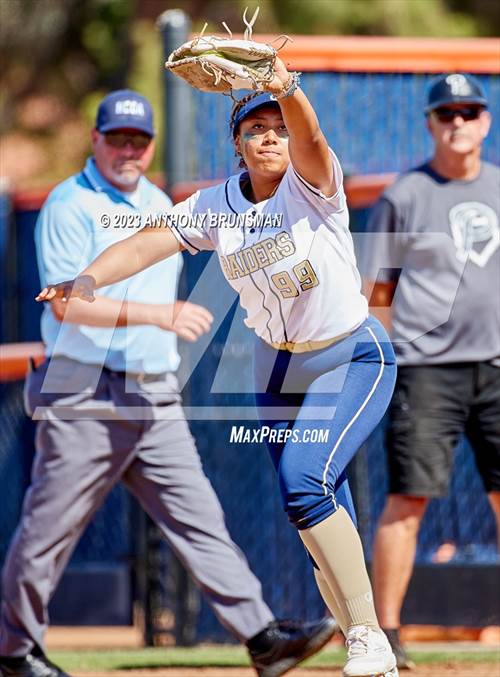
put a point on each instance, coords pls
(280, 230)
(103, 360)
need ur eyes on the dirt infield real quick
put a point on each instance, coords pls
(449, 670)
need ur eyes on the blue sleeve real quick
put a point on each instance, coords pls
(63, 240)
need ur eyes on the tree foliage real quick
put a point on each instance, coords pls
(438, 18)
(65, 47)
(75, 46)
(68, 53)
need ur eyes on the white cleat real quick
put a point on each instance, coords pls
(369, 654)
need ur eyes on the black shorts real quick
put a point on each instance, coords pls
(431, 407)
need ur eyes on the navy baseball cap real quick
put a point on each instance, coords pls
(455, 88)
(259, 101)
(125, 109)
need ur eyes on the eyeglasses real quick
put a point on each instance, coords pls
(467, 113)
(120, 140)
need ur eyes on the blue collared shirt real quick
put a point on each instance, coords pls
(81, 217)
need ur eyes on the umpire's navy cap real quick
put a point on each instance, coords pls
(123, 109)
(455, 88)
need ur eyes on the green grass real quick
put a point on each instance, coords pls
(227, 656)
(483, 656)
(221, 656)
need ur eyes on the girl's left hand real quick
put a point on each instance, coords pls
(281, 77)
(82, 287)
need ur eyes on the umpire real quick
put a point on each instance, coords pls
(113, 412)
(438, 232)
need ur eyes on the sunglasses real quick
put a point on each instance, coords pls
(467, 113)
(120, 140)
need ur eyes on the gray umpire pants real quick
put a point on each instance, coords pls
(131, 430)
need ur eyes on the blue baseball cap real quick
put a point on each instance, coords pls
(259, 101)
(455, 88)
(125, 109)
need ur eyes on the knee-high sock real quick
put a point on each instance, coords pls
(330, 600)
(336, 548)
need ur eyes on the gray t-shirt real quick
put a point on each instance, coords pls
(441, 238)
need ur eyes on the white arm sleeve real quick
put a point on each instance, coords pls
(303, 191)
(190, 224)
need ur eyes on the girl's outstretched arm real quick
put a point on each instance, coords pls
(121, 260)
(307, 145)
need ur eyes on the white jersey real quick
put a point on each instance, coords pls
(290, 257)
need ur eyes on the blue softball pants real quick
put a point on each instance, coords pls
(342, 390)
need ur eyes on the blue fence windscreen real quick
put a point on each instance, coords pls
(373, 121)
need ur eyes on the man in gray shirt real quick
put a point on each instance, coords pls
(431, 260)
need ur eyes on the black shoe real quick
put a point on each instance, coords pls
(35, 664)
(403, 661)
(283, 644)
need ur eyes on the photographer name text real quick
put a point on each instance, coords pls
(194, 221)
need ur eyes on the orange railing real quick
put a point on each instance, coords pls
(362, 191)
(14, 359)
(390, 55)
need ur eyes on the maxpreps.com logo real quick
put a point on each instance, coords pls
(475, 231)
(130, 107)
